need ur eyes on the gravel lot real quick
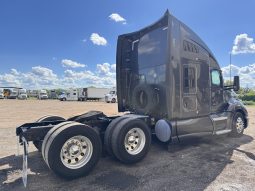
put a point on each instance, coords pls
(210, 163)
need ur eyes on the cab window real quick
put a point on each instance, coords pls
(189, 79)
(215, 75)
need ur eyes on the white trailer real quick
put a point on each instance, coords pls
(96, 93)
(22, 94)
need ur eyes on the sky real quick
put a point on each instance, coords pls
(61, 44)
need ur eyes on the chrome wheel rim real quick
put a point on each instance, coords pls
(134, 141)
(76, 152)
(239, 124)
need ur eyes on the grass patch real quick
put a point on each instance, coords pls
(250, 103)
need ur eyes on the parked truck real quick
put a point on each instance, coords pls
(111, 97)
(84, 94)
(69, 95)
(42, 94)
(95, 93)
(168, 83)
(22, 93)
(1, 93)
(11, 93)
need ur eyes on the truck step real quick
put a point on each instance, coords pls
(221, 132)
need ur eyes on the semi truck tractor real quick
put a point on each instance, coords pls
(169, 84)
(111, 97)
(42, 94)
(1, 93)
(22, 93)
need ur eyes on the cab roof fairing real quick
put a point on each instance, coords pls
(191, 35)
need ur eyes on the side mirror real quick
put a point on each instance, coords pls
(236, 83)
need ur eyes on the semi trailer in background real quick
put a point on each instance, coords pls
(169, 83)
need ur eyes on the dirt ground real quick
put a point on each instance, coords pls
(209, 163)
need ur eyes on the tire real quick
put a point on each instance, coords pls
(138, 127)
(50, 132)
(113, 100)
(64, 99)
(38, 143)
(88, 152)
(145, 99)
(108, 134)
(238, 125)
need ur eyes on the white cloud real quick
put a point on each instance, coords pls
(117, 18)
(106, 69)
(37, 78)
(98, 40)
(42, 77)
(243, 44)
(246, 74)
(72, 64)
(113, 67)
(14, 71)
(43, 72)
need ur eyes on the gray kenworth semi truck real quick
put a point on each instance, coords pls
(168, 83)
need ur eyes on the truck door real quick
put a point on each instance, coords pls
(216, 90)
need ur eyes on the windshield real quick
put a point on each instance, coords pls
(42, 93)
(112, 92)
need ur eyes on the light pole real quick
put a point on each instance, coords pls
(230, 60)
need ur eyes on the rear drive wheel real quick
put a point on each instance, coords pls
(38, 143)
(113, 100)
(238, 125)
(131, 140)
(73, 150)
(108, 134)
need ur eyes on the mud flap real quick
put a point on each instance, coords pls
(25, 154)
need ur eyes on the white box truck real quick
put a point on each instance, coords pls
(69, 95)
(84, 94)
